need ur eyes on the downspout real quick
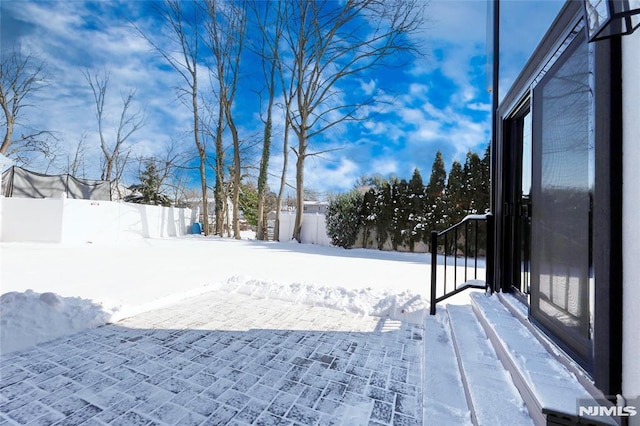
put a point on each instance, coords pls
(491, 268)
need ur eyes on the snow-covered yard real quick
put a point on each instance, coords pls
(49, 290)
(205, 330)
(213, 291)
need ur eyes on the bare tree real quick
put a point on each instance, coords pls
(164, 175)
(177, 187)
(221, 193)
(288, 93)
(329, 42)
(76, 164)
(270, 22)
(226, 29)
(115, 154)
(20, 77)
(166, 164)
(183, 35)
(122, 161)
(213, 125)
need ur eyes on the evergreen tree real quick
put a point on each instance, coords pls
(485, 182)
(370, 181)
(473, 173)
(416, 217)
(383, 210)
(368, 214)
(483, 193)
(407, 212)
(455, 194)
(434, 196)
(343, 218)
(248, 203)
(401, 211)
(149, 187)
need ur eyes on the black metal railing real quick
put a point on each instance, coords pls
(463, 245)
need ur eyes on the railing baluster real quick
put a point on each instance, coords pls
(466, 249)
(475, 269)
(445, 263)
(455, 259)
(488, 219)
(434, 268)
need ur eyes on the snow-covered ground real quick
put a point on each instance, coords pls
(49, 290)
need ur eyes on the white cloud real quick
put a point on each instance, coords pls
(337, 175)
(479, 106)
(384, 166)
(440, 103)
(368, 87)
(71, 38)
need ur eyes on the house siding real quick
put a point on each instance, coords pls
(630, 223)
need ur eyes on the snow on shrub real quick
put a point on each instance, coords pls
(343, 218)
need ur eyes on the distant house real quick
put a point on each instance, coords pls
(313, 224)
(315, 207)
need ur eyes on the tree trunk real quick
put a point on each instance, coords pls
(237, 177)
(219, 193)
(202, 154)
(283, 178)
(20, 77)
(108, 169)
(261, 228)
(226, 219)
(262, 177)
(7, 137)
(297, 227)
(205, 204)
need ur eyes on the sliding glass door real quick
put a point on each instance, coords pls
(561, 201)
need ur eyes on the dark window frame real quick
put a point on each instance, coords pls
(606, 368)
(576, 341)
(514, 126)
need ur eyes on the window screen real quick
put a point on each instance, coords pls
(561, 199)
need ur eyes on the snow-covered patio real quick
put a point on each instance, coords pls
(96, 283)
(205, 329)
(217, 331)
(222, 358)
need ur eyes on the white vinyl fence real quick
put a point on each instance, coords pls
(314, 228)
(71, 220)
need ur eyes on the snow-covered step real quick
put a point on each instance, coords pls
(549, 389)
(491, 394)
(444, 395)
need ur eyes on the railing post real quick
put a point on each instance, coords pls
(444, 273)
(434, 266)
(475, 254)
(490, 247)
(455, 258)
(466, 249)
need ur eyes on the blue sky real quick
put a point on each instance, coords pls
(439, 101)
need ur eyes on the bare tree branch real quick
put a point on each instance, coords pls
(226, 32)
(331, 42)
(20, 77)
(129, 122)
(183, 34)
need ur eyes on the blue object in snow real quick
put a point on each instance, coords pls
(196, 228)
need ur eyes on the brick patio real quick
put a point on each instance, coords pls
(222, 359)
